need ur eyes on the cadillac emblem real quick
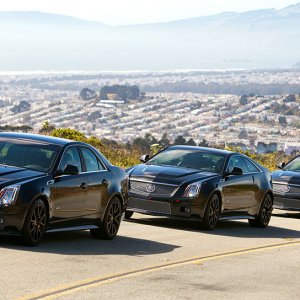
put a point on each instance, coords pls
(150, 188)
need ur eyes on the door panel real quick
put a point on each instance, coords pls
(99, 181)
(239, 192)
(98, 193)
(68, 197)
(68, 193)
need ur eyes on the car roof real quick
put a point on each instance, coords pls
(196, 148)
(35, 137)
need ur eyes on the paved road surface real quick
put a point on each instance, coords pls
(159, 258)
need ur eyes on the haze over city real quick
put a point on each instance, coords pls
(63, 36)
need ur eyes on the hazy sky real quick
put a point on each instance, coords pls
(117, 12)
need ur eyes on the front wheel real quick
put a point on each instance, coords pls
(35, 224)
(264, 216)
(212, 212)
(111, 221)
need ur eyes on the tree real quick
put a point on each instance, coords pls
(243, 135)
(21, 107)
(164, 141)
(244, 100)
(87, 94)
(204, 143)
(282, 120)
(191, 142)
(124, 92)
(290, 98)
(47, 128)
(144, 143)
(180, 140)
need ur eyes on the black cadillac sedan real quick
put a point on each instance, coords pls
(286, 185)
(201, 184)
(53, 184)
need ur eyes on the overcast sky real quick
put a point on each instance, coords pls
(118, 12)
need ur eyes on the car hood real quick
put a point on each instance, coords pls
(286, 177)
(11, 175)
(168, 174)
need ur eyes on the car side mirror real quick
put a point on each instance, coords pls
(70, 170)
(281, 165)
(236, 171)
(144, 158)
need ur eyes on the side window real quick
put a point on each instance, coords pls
(70, 157)
(238, 162)
(91, 161)
(251, 167)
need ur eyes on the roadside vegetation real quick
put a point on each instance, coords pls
(126, 155)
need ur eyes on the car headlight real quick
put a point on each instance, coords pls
(8, 195)
(193, 190)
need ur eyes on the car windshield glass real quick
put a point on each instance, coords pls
(294, 165)
(27, 154)
(191, 159)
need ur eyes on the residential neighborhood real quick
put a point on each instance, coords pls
(258, 123)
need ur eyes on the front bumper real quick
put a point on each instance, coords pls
(291, 202)
(170, 207)
(11, 220)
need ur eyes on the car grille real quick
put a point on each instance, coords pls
(286, 189)
(153, 188)
(149, 206)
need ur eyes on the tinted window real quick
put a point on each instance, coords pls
(191, 159)
(91, 161)
(70, 157)
(27, 154)
(237, 162)
(250, 166)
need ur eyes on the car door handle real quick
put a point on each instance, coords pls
(84, 185)
(105, 182)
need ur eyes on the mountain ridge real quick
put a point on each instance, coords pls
(255, 39)
(291, 9)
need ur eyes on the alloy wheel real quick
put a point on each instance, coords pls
(214, 211)
(114, 218)
(267, 210)
(38, 222)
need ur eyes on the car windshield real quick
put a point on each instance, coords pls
(294, 165)
(191, 159)
(27, 154)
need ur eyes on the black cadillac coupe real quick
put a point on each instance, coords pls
(286, 185)
(201, 184)
(53, 184)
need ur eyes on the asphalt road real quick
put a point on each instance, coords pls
(159, 258)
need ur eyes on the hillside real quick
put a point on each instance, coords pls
(263, 38)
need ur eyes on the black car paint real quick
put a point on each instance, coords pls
(287, 200)
(38, 185)
(231, 189)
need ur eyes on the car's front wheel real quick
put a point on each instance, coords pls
(264, 216)
(35, 224)
(111, 221)
(212, 212)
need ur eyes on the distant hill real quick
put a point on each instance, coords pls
(263, 38)
(297, 65)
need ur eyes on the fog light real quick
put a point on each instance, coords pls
(1, 220)
(187, 210)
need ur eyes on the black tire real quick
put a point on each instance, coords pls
(128, 214)
(263, 218)
(212, 212)
(35, 224)
(111, 221)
